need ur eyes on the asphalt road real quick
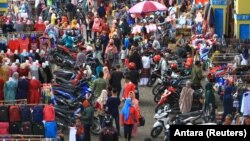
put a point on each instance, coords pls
(147, 106)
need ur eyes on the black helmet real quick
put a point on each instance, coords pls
(108, 120)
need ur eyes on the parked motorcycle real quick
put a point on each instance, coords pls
(153, 77)
(66, 118)
(162, 121)
(175, 83)
(70, 99)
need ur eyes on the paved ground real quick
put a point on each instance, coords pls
(147, 108)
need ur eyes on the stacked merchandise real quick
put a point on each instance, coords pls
(25, 120)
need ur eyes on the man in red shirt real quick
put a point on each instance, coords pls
(129, 86)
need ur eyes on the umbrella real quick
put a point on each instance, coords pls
(146, 7)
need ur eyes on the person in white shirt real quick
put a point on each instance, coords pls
(145, 69)
(123, 55)
(156, 44)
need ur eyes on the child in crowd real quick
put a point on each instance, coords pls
(123, 55)
(79, 130)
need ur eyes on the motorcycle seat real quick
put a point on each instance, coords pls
(64, 111)
(71, 91)
(195, 113)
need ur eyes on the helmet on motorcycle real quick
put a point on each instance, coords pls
(131, 65)
(173, 66)
(157, 58)
(108, 120)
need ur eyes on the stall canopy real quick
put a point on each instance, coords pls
(146, 7)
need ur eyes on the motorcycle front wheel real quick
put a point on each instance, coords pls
(156, 131)
(157, 97)
(156, 88)
(151, 81)
(95, 127)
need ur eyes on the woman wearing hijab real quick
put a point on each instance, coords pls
(228, 100)
(137, 108)
(99, 68)
(210, 98)
(186, 98)
(106, 73)
(100, 105)
(129, 117)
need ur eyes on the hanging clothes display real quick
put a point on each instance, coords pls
(42, 75)
(47, 92)
(13, 45)
(34, 91)
(23, 43)
(48, 73)
(19, 26)
(22, 89)
(1, 88)
(3, 43)
(10, 89)
(44, 42)
(4, 72)
(13, 68)
(34, 70)
(34, 44)
(23, 70)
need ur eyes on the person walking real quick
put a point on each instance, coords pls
(210, 99)
(100, 106)
(129, 86)
(129, 117)
(106, 74)
(137, 108)
(99, 84)
(87, 118)
(196, 75)
(186, 98)
(134, 76)
(115, 80)
(81, 57)
(108, 133)
(145, 73)
(112, 108)
(111, 53)
(228, 100)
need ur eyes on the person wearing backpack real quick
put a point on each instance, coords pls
(108, 133)
(111, 53)
(87, 118)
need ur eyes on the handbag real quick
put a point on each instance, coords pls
(141, 121)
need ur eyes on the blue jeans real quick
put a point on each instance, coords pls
(80, 137)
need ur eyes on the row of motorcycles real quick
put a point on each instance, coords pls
(166, 90)
(72, 84)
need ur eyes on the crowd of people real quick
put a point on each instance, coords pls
(125, 47)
